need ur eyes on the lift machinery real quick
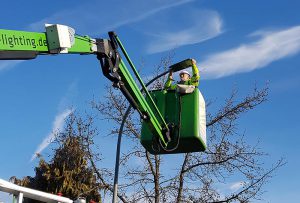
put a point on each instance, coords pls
(173, 121)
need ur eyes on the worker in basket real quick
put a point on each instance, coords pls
(185, 79)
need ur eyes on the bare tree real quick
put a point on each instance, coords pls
(198, 176)
(195, 177)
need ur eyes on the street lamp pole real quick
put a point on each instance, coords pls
(117, 164)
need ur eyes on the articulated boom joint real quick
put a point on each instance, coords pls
(110, 59)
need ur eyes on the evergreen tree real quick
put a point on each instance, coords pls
(68, 171)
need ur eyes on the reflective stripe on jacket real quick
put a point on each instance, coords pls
(194, 80)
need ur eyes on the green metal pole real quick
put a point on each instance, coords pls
(142, 83)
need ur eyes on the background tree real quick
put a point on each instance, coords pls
(198, 176)
(68, 172)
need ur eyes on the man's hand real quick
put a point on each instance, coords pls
(194, 61)
(171, 75)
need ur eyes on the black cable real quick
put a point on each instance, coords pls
(179, 126)
(83, 38)
(117, 165)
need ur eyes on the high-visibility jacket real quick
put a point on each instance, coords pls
(194, 80)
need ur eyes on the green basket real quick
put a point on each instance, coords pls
(185, 114)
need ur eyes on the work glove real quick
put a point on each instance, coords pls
(194, 61)
(171, 75)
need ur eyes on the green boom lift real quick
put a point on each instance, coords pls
(172, 122)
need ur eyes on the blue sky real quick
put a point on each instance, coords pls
(236, 44)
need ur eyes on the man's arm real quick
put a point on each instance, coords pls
(168, 84)
(196, 76)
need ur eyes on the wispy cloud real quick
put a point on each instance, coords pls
(197, 26)
(150, 12)
(271, 46)
(57, 125)
(227, 189)
(70, 96)
(236, 186)
(5, 65)
(100, 17)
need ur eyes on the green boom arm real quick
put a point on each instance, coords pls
(27, 45)
(12, 40)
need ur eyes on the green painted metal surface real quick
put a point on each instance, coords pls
(13, 40)
(187, 114)
(82, 45)
(168, 108)
(150, 100)
(153, 123)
